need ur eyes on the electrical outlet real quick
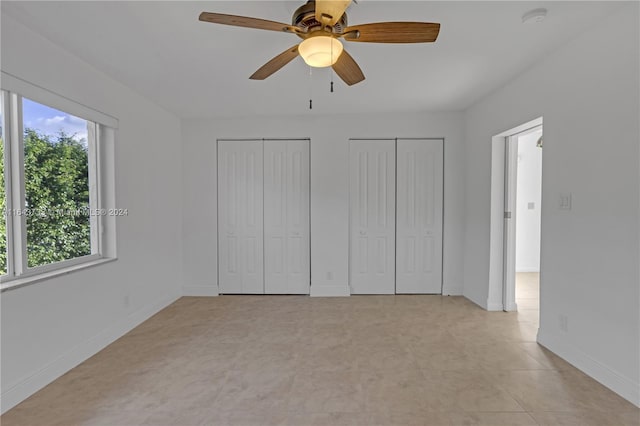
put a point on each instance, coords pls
(127, 301)
(563, 323)
(564, 201)
(531, 206)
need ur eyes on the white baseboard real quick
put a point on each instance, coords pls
(78, 354)
(199, 290)
(494, 305)
(472, 299)
(527, 269)
(489, 305)
(609, 377)
(452, 291)
(319, 290)
(511, 307)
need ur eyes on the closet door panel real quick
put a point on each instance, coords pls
(299, 270)
(372, 216)
(275, 217)
(286, 186)
(419, 210)
(240, 212)
(253, 282)
(229, 227)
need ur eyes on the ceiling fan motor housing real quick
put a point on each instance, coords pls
(305, 18)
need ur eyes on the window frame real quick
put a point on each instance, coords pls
(18, 272)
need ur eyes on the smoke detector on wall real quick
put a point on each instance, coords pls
(534, 16)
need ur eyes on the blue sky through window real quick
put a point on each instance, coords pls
(50, 121)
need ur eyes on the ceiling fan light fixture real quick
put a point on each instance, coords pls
(320, 51)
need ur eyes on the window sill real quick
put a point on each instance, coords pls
(25, 281)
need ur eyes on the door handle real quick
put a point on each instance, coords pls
(296, 233)
(363, 232)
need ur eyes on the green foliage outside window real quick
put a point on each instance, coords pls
(56, 198)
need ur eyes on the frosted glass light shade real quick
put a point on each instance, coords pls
(320, 51)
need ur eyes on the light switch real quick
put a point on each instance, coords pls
(565, 201)
(531, 206)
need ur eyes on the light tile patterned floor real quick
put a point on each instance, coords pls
(362, 360)
(528, 294)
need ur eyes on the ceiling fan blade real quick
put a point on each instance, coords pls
(393, 32)
(275, 64)
(328, 12)
(244, 21)
(348, 70)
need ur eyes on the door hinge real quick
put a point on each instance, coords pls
(507, 215)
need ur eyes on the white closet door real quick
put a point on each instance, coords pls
(240, 215)
(372, 221)
(286, 217)
(419, 222)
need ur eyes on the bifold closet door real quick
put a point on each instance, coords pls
(240, 217)
(419, 221)
(372, 216)
(286, 217)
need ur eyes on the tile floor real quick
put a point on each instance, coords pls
(528, 295)
(362, 360)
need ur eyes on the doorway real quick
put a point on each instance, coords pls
(522, 207)
(503, 226)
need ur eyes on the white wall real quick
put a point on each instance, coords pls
(529, 190)
(588, 93)
(50, 326)
(329, 188)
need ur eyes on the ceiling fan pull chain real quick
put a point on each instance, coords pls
(331, 69)
(310, 88)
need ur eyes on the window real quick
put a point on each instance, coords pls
(53, 214)
(56, 179)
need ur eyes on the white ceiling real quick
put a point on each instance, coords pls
(197, 69)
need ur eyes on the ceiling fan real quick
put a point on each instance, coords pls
(320, 24)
